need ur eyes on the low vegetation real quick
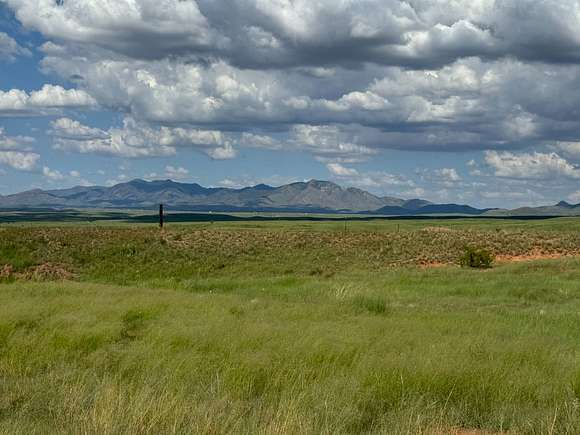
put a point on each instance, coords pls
(182, 254)
(476, 258)
(279, 328)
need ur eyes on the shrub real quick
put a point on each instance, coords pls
(478, 258)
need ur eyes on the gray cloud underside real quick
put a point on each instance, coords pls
(262, 34)
(470, 104)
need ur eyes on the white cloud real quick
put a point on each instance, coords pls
(9, 48)
(530, 165)
(128, 142)
(447, 175)
(136, 139)
(21, 143)
(176, 173)
(468, 104)
(329, 143)
(341, 171)
(21, 161)
(52, 174)
(222, 153)
(57, 96)
(259, 141)
(49, 99)
(66, 128)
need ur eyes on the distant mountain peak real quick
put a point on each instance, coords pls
(565, 204)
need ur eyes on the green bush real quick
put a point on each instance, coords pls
(477, 258)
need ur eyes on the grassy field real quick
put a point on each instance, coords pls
(289, 327)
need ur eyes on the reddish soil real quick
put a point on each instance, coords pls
(532, 257)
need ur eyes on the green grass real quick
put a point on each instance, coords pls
(282, 330)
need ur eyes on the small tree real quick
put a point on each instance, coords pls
(478, 258)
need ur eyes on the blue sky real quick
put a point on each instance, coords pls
(463, 101)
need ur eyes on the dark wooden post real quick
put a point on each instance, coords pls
(160, 215)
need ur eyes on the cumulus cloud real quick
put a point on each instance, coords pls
(129, 141)
(530, 165)
(469, 104)
(135, 140)
(176, 173)
(264, 34)
(448, 175)
(413, 74)
(49, 99)
(10, 49)
(52, 174)
(330, 143)
(20, 161)
(15, 152)
(21, 143)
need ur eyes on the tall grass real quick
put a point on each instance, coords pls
(403, 351)
(270, 330)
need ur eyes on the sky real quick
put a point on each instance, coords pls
(465, 101)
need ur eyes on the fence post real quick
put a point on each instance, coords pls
(160, 215)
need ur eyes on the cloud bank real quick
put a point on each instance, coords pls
(341, 81)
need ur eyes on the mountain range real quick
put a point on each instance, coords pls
(303, 197)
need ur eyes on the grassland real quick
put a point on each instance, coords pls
(289, 327)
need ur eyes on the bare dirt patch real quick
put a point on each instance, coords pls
(533, 256)
(433, 264)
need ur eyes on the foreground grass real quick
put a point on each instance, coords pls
(403, 351)
(269, 330)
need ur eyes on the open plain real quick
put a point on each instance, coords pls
(289, 327)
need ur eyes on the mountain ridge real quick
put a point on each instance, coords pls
(314, 196)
